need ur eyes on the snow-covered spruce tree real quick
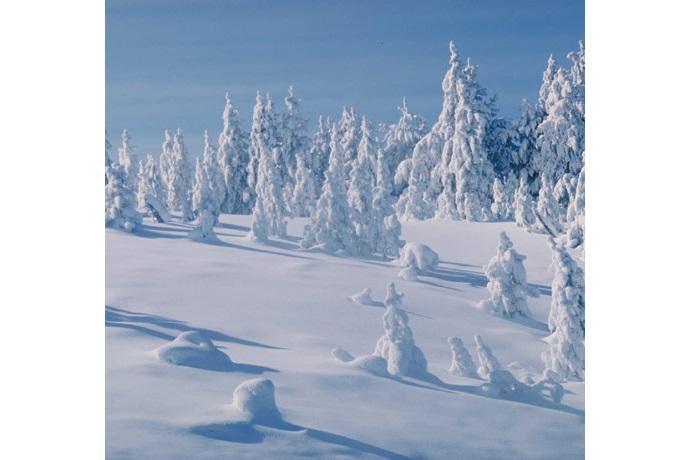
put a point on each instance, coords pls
(575, 234)
(503, 198)
(397, 345)
(108, 161)
(525, 139)
(461, 362)
(350, 134)
(304, 193)
(469, 164)
(431, 154)
(500, 141)
(120, 201)
(128, 159)
(294, 139)
(360, 191)
(487, 361)
(564, 193)
(384, 222)
(165, 159)
(547, 207)
(151, 193)
(179, 178)
(269, 217)
(264, 136)
(319, 151)
(560, 138)
(565, 356)
(400, 139)
(205, 202)
(233, 161)
(330, 226)
(524, 205)
(507, 282)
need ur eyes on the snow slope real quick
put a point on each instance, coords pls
(277, 312)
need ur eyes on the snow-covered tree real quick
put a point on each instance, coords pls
(524, 205)
(461, 362)
(565, 356)
(165, 159)
(233, 161)
(393, 297)
(179, 178)
(120, 201)
(128, 159)
(504, 197)
(547, 207)
(487, 361)
(205, 202)
(264, 136)
(330, 226)
(500, 141)
(384, 222)
(431, 154)
(470, 173)
(319, 151)
(304, 193)
(269, 217)
(561, 133)
(507, 284)
(400, 139)
(575, 234)
(151, 193)
(525, 139)
(397, 345)
(360, 190)
(294, 139)
(350, 134)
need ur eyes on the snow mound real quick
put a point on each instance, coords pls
(416, 258)
(342, 355)
(193, 349)
(256, 399)
(363, 297)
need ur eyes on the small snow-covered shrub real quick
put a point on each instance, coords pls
(363, 297)
(507, 282)
(461, 363)
(487, 361)
(416, 258)
(393, 298)
(193, 349)
(397, 345)
(256, 399)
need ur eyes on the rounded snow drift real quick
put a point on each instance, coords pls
(418, 255)
(373, 364)
(256, 399)
(193, 349)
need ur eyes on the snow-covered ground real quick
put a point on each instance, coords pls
(278, 311)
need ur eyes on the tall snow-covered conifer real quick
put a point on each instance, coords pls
(304, 194)
(270, 213)
(350, 133)
(233, 161)
(179, 178)
(319, 152)
(120, 201)
(400, 140)
(330, 226)
(360, 191)
(384, 221)
(295, 142)
(128, 159)
(151, 193)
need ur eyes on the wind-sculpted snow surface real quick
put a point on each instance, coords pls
(276, 311)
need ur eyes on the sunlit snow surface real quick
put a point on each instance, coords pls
(277, 312)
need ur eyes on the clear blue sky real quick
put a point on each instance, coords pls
(169, 62)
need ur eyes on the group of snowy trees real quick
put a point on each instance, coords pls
(354, 181)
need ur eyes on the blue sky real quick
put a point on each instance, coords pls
(169, 62)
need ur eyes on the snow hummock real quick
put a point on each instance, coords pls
(256, 399)
(415, 259)
(193, 349)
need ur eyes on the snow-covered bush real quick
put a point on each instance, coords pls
(363, 297)
(120, 201)
(507, 282)
(461, 362)
(397, 345)
(415, 259)
(565, 357)
(193, 349)
(487, 361)
(256, 400)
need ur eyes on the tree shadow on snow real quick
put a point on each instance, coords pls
(474, 279)
(117, 317)
(252, 433)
